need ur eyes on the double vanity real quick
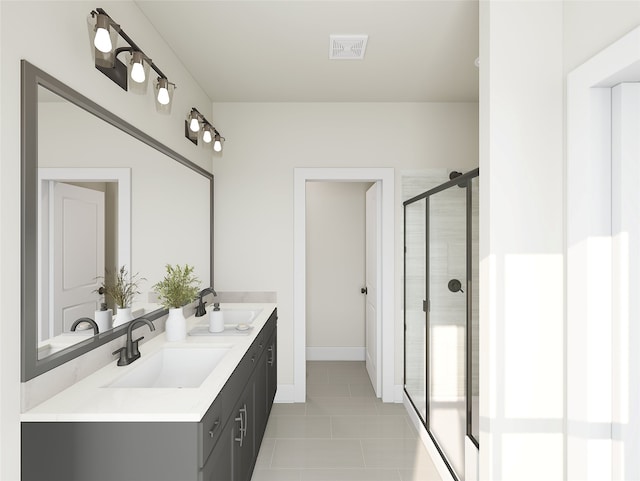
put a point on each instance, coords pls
(191, 410)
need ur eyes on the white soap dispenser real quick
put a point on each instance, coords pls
(216, 319)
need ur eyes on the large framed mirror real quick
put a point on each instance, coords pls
(98, 194)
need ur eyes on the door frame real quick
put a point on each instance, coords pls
(591, 392)
(385, 178)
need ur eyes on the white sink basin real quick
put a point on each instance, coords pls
(173, 367)
(240, 316)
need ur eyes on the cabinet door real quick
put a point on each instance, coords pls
(219, 466)
(243, 427)
(260, 389)
(272, 369)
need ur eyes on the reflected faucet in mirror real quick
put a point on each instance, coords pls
(88, 320)
(130, 351)
(200, 309)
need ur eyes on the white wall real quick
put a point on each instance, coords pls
(521, 216)
(53, 36)
(335, 268)
(582, 41)
(254, 182)
(526, 50)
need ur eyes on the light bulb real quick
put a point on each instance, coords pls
(217, 145)
(137, 69)
(137, 73)
(163, 96)
(163, 91)
(194, 125)
(102, 39)
(206, 135)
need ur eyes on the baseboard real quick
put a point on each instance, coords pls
(442, 468)
(398, 393)
(335, 353)
(285, 394)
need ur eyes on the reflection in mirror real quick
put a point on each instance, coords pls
(98, 194)
(84, 219)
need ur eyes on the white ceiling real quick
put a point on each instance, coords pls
(277, 51)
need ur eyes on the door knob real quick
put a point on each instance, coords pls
(455, 285)
(364, 290)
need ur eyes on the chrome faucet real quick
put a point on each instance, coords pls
(200, 309)
(130, 352)
(85, 319)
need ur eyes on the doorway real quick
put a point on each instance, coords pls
(115, 184)
(384, 178)
(342, 284)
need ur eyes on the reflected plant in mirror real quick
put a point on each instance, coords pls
(122, 288)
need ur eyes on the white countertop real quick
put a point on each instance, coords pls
(89, 401)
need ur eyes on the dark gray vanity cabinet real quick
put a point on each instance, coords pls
(223, 446)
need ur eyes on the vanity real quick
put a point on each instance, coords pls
(190, 410)
(111, 426)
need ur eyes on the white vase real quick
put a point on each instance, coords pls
(123, 316)
(176, 325)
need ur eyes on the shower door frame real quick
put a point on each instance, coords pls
(466, 177)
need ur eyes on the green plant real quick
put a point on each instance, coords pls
(179, 286)
(121, 287)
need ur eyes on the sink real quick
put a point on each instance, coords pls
(240, 316)
(173, 367)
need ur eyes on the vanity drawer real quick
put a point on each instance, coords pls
(211, 427)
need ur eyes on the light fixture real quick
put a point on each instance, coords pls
(164, 95)
(217, 143)
(195, 123)
(207, 136)
(104, 34)
(102, 40)
(138, 73)
(138, 66)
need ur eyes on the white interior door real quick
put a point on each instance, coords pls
(77, 263)
(372, 316)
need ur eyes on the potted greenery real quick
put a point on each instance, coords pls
(178, 288)
(122, 288)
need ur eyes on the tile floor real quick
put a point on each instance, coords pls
(342, 433)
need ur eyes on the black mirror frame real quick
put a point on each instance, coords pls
(32, 77)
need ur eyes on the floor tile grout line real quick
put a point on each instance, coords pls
(364, 460)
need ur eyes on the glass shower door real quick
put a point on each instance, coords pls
(446, 322)
(415, 317)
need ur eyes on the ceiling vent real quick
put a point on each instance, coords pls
(347, 47)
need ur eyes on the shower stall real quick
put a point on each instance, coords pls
(441, 270)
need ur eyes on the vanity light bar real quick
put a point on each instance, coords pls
(196, 123)
(103, 33)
